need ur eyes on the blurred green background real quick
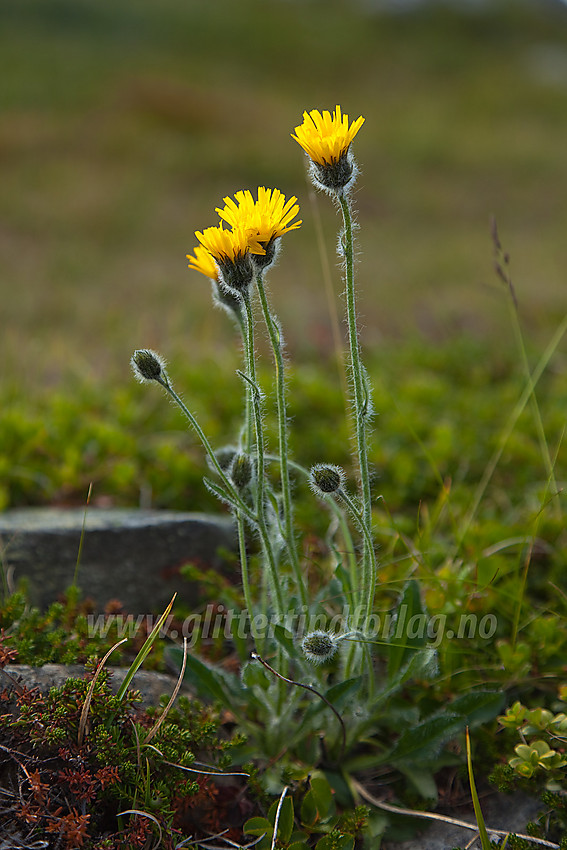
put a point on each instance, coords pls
(124, 123)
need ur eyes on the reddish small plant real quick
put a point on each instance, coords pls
(75, 791)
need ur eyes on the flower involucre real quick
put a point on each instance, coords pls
(325, 137)
(267, 218)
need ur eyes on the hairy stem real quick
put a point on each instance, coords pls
(260, 464)
(361, 398)
(235, 499)
(276, 343)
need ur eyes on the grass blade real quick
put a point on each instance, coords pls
(484, 839)
(145, 650)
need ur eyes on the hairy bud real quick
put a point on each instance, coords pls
(326, 479)
(319, 646)
(147, 365)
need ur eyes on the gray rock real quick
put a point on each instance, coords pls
(509, 812)
(130, 555)
(151, 685)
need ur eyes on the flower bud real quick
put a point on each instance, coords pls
(147, 365)
(225, 457)
(319, 646)
(326, 479)
(226, 300)
(241, 472)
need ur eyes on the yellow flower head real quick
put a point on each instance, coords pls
(268, 218)
(203, 262)
(228, 245)
(325, 137)
(231, 250)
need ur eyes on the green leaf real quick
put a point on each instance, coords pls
(322, 795)
(298, 772)
(478, 707)
(367, 760)
(297, 837)
(308, 809)
(484, 839)
(423, 742)
(343, 577)
(338, 695)
(220, 493)
(422, 780)
(144, 652)
(258, 826)
(342, 791)
(410, 632)
(285, 822)
(285, 640)
(239, 640)
(254, 675)
(377, 824)
(421, 665)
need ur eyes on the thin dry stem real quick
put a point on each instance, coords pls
(443, 818)
(90, 692)
(173, 697)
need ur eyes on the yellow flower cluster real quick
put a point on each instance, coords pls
(254, 227)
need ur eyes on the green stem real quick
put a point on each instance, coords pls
(361, 394)
(234, 496)
(369, 580)
(350, 552)
(275, 340)
(260, 467)
(241, 507)
(355, 599)
(248, 430)
(345, 530)
(245, 576)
